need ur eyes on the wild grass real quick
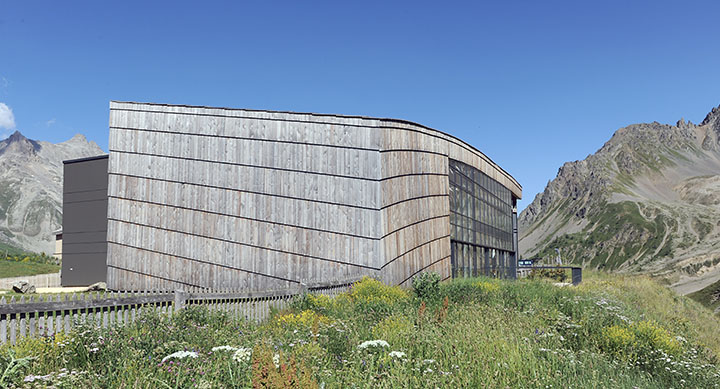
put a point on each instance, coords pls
(613, 331)
(15, 262)
(10, 268)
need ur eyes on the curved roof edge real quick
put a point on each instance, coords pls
(403, 121)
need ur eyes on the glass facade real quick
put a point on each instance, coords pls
(481, 224)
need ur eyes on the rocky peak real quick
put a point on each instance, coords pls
(709, 130)
(682, 124)
(17, 143)
(712, 119)
(31, 188)
(78, 138)
(633, 150)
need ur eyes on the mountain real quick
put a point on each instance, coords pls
(31, 188)
(647, 201)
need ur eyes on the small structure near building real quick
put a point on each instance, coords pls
(58, 245)
(84, 232)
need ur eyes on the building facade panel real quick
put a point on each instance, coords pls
(348, 162)
(278, 127)
(295, 212)
(404, 162)
(272, 182)
(301, 241)
(408, 238)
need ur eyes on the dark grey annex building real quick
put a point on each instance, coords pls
(84, 236)
(260, 200)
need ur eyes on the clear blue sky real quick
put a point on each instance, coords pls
(533, 84)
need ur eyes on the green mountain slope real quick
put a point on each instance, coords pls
(709, 296)
(647, 201)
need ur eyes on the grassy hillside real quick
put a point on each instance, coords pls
(20, 269)
(614, 234)
(15, 262)
(611, 331)
(10, 251)
(708, 296)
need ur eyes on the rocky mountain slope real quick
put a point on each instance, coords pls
(647, 201)
(31, 188)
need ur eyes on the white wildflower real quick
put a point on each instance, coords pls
(32, 378)
(224, 348)
(242, 354)
(276, 361)
(427, 361)
(397, 354)
(203, 384)
(181, 355)
(373, 343)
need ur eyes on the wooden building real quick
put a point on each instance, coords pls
(260, 200)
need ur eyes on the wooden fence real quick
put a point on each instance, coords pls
(37, 315)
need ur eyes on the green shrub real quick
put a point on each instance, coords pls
(619, 342)
(652, 337)
(460, 290)
(642, 343)
(371, 296)
(559, 275)
(314, 302)
(427, 285)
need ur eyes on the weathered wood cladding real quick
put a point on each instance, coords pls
(257, 200)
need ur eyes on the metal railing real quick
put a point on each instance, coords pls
(576, 272)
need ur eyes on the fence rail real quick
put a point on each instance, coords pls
(48, 315)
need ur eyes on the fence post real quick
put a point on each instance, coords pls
(180, 297)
